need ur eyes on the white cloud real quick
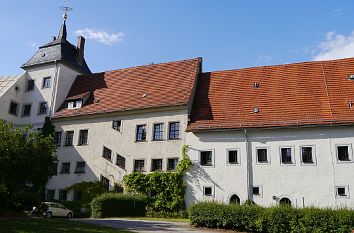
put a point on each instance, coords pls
(101, 36)
(265, 58)
(335, 46)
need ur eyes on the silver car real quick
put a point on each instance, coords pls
(57, 210)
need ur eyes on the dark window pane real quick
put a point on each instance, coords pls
(43, 107)
(158, 132)
(65, 168)
(30, 85)
(69, 138)
(208, 191)
(256, 191)
(233, 157)
(206, 158)
(105, 182)
(120, 161)
(262, 155)
(55, 169)
(286, 155)
(26, 110)
(139, 165)
(83, 137)
(173, 130)
(46, 82)
(13, 108)
(80, 167)
(116, 125)
(341, 192)
(57, 138)
(140, 133)
(343, 153)
(107, 153)
(306, 154)
(156, 165)
(172, 164)
(77, 195)
(50, 194)
(63, 194)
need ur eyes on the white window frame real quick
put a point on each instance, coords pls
(238, 157)
(260, 191)
(212, 191)
(293, 162)
(212, 158)
(268, 155)
(350, 151)
(43, 82)
(346, 187)
(314, 157)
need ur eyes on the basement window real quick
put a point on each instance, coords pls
(208, 191)
(342, 192)
(72, 104)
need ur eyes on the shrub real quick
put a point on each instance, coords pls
(80, 210)
(180, 214)
(118, 205)
(276, 219)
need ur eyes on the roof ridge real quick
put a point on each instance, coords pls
(279, 65)
(155, 64)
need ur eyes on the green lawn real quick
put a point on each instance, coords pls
(52, 225)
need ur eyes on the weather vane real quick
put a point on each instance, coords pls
(66, 9)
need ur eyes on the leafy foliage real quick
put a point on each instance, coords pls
(273, 220)
(118, 205)
(25, 164)
(89, 190)
(165, 189)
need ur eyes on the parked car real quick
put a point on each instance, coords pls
(57, 210)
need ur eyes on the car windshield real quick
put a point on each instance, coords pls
(61, 206)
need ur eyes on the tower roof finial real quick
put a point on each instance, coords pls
(62, 32)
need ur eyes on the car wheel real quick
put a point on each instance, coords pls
(49, 215)
(70, 215)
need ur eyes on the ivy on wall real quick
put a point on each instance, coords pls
(165, 189)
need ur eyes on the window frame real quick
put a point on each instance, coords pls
(168, 160)
(293, 162)
(62, 167)
(212, 158)
(66, 138)
(346, 189)
(103, 153)
(125, 161)
(23, 109)
(80, 171)
(17, 108)
(58, 142)
(314, 159)
(44, 82)
(137, 133)
(152, 162)
(52, 191)
(87, 137)
(40, 107)
(27, 85)
(162, 131)
(103, 180)
(144, 168)
(268, 155)
(61, 192)
(118, 128)
(238, 163)
(260, 189)
(169, 130)
(211, 193)
(350, 153)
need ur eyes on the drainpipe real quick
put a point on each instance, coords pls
(54, 90)
(248, 167)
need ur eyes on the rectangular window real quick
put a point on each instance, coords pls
(107, 153)
(63, 194)
(69, 137)
(139, 165)
(43, 108)
(55, 169)
(156, 165)
(105, 182)
(208, 191)
(172, 164)
(158, 132)
(120, 161)
(30, 85)
(173, 131)
(72, 104)
(342, 192)
(306, 154)
(13, 108)
(286, 157)
(83, 137)
(343, 153)
(77, 195)
(256, 190)
(50, 194)
(140, 133)
(262, 156)
(26, 110)
(206, 158)
(116, 125)
(65, 168)
(46, 82)
(80, 167)
(232, 157)
(57, 138)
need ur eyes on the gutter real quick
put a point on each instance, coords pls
(248, 167)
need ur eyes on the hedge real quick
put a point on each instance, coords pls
(80, 209)
(276, 219)
(118, 205)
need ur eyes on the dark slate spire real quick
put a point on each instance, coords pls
(62, 32)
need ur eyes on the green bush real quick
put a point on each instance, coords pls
(276, 219)
(81, 210)
(180, 214)
(118, 205)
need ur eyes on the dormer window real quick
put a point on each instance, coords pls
(72, 104)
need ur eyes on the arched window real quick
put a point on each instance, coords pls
(285, 201)
(234, 199)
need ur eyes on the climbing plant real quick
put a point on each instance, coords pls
(164, 189)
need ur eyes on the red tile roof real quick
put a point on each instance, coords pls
(300, 94)
(141, 87)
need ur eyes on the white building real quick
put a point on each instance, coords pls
(267, 134)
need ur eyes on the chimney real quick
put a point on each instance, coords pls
(53, 38)
(80, 49)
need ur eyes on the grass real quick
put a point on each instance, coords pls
(160, 219)
(33, 225)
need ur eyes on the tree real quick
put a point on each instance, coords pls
(26, 163)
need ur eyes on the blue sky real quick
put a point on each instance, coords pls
(227, 34)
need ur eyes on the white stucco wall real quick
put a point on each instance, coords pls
(303, 184)
(100, 133)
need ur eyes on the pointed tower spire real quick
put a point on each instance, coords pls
(62, 32)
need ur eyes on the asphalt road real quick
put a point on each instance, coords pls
(144, 226)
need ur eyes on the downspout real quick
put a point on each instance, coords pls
(55, 88)
(248, 167)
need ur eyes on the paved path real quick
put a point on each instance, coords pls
(144, 226)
